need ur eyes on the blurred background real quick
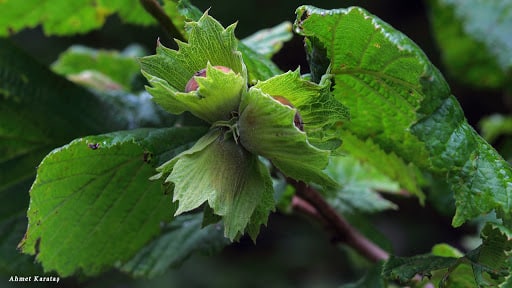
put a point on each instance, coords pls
(293, 251)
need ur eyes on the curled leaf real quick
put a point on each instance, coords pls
(267, 128)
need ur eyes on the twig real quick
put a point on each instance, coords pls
(302, 206)
(312, 203)
(154, 8)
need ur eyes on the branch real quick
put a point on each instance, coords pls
(154, 8)
(309, 201)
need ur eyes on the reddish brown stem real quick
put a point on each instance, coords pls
(310, 202)
(154, 8)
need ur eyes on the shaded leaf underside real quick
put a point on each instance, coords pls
(180, 239)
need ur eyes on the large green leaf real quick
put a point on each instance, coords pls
(38, 111)
(400, 101)
(92, 203)
(61, 17)
(474, 37)
(180, 239)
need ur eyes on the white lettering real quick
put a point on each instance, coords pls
(46, 279)
(17, 278)
(35, 278)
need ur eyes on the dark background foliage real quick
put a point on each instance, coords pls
(292, 251)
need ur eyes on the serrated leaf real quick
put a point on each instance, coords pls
(490, 263)
(269, 41)
(111, 65)
(400, 100)
(262, 211)
(61, 17)
(267, 128)
(169, 71)
(376, 77)
(388, 164)
(473, 39)
(208, 42)
(492, 257)
(180, 239)
(318, 108)
(359, 187)
(403, 269)
(441, 268)
(460, 277)
(92, 204)
(234, 183)
(258, 66)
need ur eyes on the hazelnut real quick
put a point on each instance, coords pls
(192, 83)
(297, 120)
